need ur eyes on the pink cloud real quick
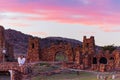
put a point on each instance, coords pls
(111, 30)
(92, 12)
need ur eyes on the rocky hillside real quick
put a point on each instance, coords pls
(20, 41)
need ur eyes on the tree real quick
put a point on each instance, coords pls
(111, 48)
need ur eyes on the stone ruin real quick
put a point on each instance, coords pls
(82, 56)
(4, 45)
(33, 54)
(85, 57)
(7, 60)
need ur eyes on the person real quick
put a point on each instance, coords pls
(113, 76)
(21, 60)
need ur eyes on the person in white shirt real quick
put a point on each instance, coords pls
(21, 60)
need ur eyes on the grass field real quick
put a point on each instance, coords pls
(65, 75)
(69, 76)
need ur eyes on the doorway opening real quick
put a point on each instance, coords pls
(103, 60)
(60, 57)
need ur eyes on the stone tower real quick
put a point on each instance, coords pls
(2, 43)
(6, 49)
(2, 37)
(88, 48)
(88, 45)
(33, 54)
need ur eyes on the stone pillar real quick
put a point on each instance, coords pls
(102, 67)
(2, 37)
(86, 61)
(94, 67)
(2, 43)
(16, 75)
(69, 52)
(77, 57)
(11, 74)
(88, 45)
(33, 54)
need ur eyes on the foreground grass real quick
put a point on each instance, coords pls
(65, 75)
(69, 76)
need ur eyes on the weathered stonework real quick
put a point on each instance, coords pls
(78, 54)
(7, 58)
(88, 45)
(4, 45)
(2, 42)
(49, 54)
(16, 75)
(33, 54)
(85, 57)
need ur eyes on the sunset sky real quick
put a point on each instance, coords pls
(64, 18)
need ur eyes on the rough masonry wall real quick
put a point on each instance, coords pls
(88, 45)
(49, 54)
(84, 57)
(33, 54)
(77, 52)
(2, 42)
(9, 55)
(88, 50)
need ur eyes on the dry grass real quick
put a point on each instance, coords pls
(69, 76)
(64, 75)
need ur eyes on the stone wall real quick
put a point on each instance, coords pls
(84, 57)
(88, 45)
(2, 42)
(9, 55)
(78, 56)
(49, 54)
(33, 54)
(18, 71)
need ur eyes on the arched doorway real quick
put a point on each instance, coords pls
(94, 60)
(4, 75)
(61, 56)
(103, 60)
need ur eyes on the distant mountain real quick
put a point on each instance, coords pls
(45, 42)
(19, 41)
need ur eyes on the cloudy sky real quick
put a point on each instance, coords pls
(64, 18)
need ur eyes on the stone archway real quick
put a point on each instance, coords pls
(60, 56)
(103, 60)
(50, 52)
(4, 75)
(94, 63)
